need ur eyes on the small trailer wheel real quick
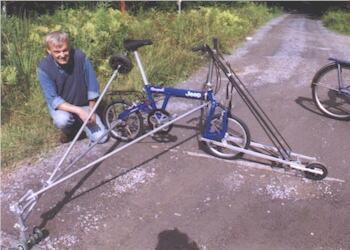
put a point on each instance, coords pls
(314, 176)
(21, 247)
(31, 240)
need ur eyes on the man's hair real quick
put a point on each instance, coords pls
(56, 37)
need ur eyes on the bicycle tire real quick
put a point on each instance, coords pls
(326, 95)
(129, 129)
(236, 128)
(313, 176)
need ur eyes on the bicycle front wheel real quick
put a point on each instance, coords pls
(237, 135)
(330, 97)
(127, 129)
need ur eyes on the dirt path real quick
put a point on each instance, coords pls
(175, 196)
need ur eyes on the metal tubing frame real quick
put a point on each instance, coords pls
(23, 211)
(140, 66)
(271, 148)
(293, 164)
(117, 150)
(268, 147)
(340, 76)
(115, 73)
(267, 125)
(31, 198)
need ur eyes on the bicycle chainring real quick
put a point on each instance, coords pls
(157, 118)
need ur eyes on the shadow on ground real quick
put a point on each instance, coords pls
(175, 240)
(309, 105)
(71, 195)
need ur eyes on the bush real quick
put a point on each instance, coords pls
(338, 20)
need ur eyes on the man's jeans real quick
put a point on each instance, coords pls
(65, 121)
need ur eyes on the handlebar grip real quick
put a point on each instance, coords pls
(201, 47)
(216, 43)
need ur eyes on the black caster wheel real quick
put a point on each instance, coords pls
(38, 233)
(36, 237)
(317, 166)
(21, 247)
(31, 240)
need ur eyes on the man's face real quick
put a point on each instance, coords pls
(60, 52)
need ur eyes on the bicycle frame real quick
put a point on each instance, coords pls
(150, 104)
(168, 92)
(342, 89)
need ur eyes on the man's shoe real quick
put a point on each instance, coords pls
(64, 138)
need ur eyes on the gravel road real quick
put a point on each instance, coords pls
(172, 195)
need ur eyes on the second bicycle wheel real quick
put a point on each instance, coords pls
(237, 135)
(333, 100)
(127, 129)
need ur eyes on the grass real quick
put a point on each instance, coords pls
(338, 20)
(26, 126)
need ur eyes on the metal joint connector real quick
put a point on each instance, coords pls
(14, 208)
(20, 227)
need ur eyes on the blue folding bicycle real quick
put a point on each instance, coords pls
(220, 124)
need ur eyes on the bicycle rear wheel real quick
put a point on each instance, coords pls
(333, 100)
(127, 129)
(237, 135)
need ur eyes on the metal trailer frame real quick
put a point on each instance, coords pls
(26, 203)
(295, 163)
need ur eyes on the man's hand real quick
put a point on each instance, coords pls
(79, 111)
(93, 117)
(83, 115)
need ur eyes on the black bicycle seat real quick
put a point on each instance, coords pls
(342, 62)
(132, 45)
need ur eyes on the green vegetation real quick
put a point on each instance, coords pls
(338, 20)
(26, 125)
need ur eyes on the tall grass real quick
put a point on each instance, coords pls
(19, 57)
(26, 125)
(338, 20)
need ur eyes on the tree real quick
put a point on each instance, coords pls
(122, 6)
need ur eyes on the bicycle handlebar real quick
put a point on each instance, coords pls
(205, 48)
(201, 47)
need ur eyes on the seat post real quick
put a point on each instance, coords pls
(210, 75)
(140, 66)
(340, 78)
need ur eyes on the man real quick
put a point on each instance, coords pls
(70, 87)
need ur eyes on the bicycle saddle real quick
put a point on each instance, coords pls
(342, 62)
(132, 45)
(120, 62)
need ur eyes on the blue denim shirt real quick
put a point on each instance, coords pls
(48, 86)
